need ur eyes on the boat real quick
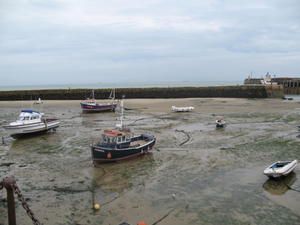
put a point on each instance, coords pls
(31, 122)
(91, 105)
(287, 98)
(280, 168)
(220, 123)
(121, 143)
(39, 101)
(182, 109)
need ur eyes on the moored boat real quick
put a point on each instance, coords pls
(280, 168)
(31, 122)
(91, 105)
(220, 123)
(39, 101)
(120, 143)
(182, 109)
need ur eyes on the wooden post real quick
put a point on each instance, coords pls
(8, 183)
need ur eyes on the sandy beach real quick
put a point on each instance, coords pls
(196, 174)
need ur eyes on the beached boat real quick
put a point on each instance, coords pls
(120, 143)
(39, 101)
(220, 123)
(182, 109)
(280, 168)
(31, 122)
(91, 105)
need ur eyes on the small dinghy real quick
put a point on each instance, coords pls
(220, 123)
(31, 122)
(280, 168)
(39, 101)
(182, 109)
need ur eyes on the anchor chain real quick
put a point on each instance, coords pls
(24, 204)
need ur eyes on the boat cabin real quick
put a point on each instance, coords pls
(28, 114)
(116, 138)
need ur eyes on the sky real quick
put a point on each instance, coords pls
(157, 41)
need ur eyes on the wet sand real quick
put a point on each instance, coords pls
(196, 174)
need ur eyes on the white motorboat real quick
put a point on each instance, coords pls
(182, 109)
(31, 122)
(39, 101)
(220, 123)
(280, 168)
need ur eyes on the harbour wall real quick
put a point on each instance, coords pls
(239, 91)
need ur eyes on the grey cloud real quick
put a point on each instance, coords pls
(258, 36)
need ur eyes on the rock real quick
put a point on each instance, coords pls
(7, 164)
(22, 165)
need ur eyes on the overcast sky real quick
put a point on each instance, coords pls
(74, 41)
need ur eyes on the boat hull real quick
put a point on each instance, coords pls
(102, 155)
(98, 107)
(32, 129)
(273, 172)
(220, 125)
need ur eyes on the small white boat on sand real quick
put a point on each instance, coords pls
(31, 122)
(220, 122)
(39, 101)
(280, 168)
(182, 109)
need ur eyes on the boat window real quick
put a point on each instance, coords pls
(123, 138)
(119, 139)
(113, 139)
(104, 138)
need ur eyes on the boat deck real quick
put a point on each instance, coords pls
(137, 143)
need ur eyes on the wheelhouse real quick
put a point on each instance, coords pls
(27, 115)
(115, 137)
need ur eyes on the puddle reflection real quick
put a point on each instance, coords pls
(280, 186)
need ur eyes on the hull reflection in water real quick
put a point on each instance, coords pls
(280, 186)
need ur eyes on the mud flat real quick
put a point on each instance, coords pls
(199, 175)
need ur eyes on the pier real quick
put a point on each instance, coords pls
(237, 91)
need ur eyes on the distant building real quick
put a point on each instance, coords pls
(266, 80)
(290, 85)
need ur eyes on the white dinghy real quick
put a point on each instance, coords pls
(182, 109)
(39, 101)
(220, 122)
(280, 168)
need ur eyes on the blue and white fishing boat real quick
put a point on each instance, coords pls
(280, 168)
(120, 143)
(31, 122)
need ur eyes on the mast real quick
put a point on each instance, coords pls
(112, 94)
(93, 94)
(120, 125)
(122, 113)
